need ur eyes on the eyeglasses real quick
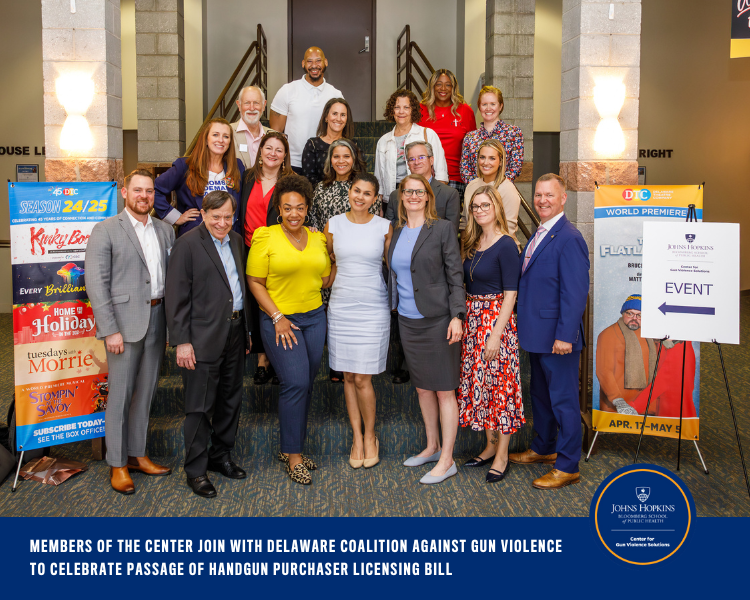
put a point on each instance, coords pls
(419, 158)
(632, 315)
(419, 193)
(484, 207)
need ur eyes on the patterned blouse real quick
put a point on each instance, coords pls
(512, 140)
(331, 201)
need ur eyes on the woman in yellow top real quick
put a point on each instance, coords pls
(287, 267)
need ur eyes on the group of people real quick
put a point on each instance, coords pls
(333, 254)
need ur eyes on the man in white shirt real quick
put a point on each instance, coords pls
(126, 265)
(248, 131)
(297, 107)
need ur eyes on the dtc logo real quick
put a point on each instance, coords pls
(636, 194)
(64, 192)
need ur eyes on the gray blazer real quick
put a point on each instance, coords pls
(447, 204)
(118, 281)
(436, 272)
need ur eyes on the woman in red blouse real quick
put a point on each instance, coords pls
(257, 210)
(445, 112)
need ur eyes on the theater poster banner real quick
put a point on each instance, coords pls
(60, 366)
(623, 360)
(740, 44)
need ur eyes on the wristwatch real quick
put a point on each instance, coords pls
(462, 316)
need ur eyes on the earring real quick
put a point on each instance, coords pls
(307, 219)
(278, 219)
(260, 162)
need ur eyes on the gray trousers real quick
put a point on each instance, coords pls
(133, 377)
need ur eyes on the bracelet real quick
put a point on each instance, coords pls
(273, 316)
(277, 319)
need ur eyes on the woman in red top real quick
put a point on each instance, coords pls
(445, 112)
(256, 210)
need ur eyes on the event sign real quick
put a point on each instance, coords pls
(60, 366)
(624, 357)
(691, 281)
(740, 44)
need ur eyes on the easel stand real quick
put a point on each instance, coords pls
(20, 462)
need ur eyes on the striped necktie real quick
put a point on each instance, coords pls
(532, 246)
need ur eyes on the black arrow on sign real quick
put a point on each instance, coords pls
(693, 310)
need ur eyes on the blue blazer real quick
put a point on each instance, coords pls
(175, 180)
(553, 290)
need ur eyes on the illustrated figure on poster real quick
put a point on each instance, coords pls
(665, 399)
(625, 361)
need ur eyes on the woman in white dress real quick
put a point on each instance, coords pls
(358, 314)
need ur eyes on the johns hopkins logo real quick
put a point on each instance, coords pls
(690, 237)
(643, 493)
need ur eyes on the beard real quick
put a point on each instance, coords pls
(322, 72)
(135, 209)
(249, 119)
(633, 326)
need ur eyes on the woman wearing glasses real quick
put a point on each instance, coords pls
(490, 170)
(425, 285)
(445, 112)
(489, 397)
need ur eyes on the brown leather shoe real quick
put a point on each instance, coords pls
(144, 465)
(555, 479)
(120, 480)
(529, 456)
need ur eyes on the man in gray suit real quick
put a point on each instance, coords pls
(419, 159)
(248, 131)
(126, 267)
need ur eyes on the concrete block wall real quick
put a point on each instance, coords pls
(160, 68)
(87, 41)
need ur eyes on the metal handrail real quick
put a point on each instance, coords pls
(224, 104)
(404, 45)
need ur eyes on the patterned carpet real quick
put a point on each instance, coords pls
(388, 489)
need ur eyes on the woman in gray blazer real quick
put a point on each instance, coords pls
(425, 285)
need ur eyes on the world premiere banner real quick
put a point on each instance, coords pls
(622, 359)
(60, 366)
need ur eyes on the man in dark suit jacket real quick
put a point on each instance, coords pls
(419, 159)
(551, 302)
(207, 313)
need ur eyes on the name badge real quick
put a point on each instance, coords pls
(243, 147)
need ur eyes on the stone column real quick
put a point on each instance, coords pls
(86, 42)
(160, 69)
(509, 66)
(600, 44)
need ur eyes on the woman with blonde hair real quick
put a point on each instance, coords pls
(212, 165)
(425, 285)
(445, 112)
(489, 396)
(491, 167)
(490, 105)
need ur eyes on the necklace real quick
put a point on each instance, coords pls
(299, 241)
(408, 237)
(472, 266)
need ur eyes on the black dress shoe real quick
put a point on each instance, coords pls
(493, 475)
(202, 486)
(275, 380)
(401, 377)
(478, 461)
(227, 468)
(262, 376)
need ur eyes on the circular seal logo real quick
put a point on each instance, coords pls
(642, 513)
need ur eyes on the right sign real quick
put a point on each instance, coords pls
(691, 281)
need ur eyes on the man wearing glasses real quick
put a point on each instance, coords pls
(419, 159)
(625, 361)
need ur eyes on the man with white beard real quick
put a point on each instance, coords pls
(248, 131)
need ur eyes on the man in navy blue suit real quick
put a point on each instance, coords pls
(551, 301)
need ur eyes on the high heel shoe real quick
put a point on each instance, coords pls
(371, 462)
(355, 463)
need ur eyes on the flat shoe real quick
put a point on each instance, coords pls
(299, 474)
(306, 460)
(430, 479)
(227, 468)
(493, 475)
(418, 461)
(262, 376)
(202, 486)
(478, 461)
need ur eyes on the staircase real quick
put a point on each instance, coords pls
(367, 134)
(399, 422)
